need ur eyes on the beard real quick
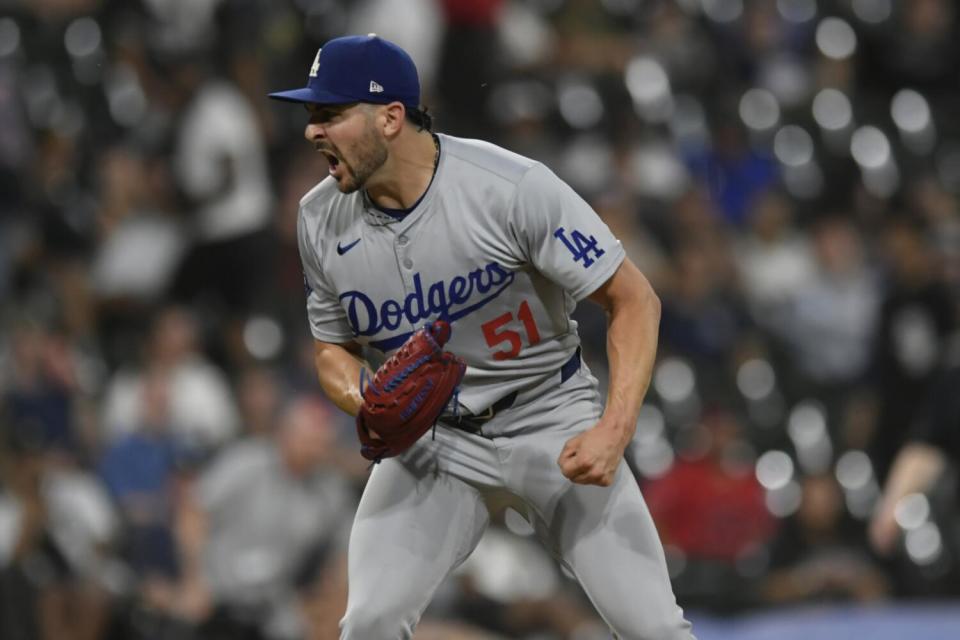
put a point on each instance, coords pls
(370, 153)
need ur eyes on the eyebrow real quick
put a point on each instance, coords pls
(327, 110)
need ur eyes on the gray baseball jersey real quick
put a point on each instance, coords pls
(503, 249)
(499, 246)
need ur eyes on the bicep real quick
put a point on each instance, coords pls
(627, 285)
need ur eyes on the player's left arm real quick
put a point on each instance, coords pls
(633, 319)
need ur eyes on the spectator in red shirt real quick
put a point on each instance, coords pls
(710, 512)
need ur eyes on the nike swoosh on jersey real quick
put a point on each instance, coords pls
(343, 249)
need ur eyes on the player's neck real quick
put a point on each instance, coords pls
(407, 173)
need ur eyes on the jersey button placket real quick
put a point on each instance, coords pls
(406, 272)
(402, 240)
(405, 261)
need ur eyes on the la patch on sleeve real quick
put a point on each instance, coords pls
(580, 246)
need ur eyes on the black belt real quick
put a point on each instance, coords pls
(474, 422)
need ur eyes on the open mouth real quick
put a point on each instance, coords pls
(332, 159)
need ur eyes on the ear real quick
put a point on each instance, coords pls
(391, 119)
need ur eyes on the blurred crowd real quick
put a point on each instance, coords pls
(785, 172)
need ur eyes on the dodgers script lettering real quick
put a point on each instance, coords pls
(452, 300)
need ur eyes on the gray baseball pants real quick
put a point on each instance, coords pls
(422, 514)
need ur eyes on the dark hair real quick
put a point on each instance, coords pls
(420, 118)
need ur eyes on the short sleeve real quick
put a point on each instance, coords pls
(327, 319)
(561, 235)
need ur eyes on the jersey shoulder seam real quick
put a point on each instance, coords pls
(515, 180)
(516, 186)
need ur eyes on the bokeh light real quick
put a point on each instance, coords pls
(870, 147)
(836, 39)
(775, 470)
(912, 511)
(759, 109)
(924, 544)
(872, 11)
(797, 11)
(9, 37)
(580, 104)
(82, 37)
(674, 380)
(832, 110)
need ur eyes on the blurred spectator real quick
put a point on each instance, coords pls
(60, 198)
(915, 319)
(38, 385)
(711, 515)
(263, 523)
(703, 316)
(57, 572)
(259, 397)
(938, 209)
(140, 245)
(589, 38)
(202, 406)
(833, 318)
(139, 468)
(680, 42)
(221, 167)
(469, 64)
(917, 47)
(821, 557)
(775, 260)
(933, 443)
(733, 171)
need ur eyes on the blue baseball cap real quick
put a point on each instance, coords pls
(359, 69)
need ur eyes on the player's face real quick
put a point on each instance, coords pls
(346, 136)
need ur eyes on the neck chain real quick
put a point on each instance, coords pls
(436, 163)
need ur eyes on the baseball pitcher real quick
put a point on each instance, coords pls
(459, 263)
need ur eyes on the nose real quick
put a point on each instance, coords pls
(313, 132)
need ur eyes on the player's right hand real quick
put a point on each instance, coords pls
(593, 456)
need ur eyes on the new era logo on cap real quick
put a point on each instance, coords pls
(375, 88)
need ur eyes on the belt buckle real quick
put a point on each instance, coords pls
(486, 415)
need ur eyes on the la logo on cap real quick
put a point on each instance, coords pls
(316, 65)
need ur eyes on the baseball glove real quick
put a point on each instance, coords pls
(408, 393)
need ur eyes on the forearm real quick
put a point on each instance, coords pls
(631, 349)
(338, 370)
(916, 468)
(633, 313)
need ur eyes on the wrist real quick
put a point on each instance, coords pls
(619, 425)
